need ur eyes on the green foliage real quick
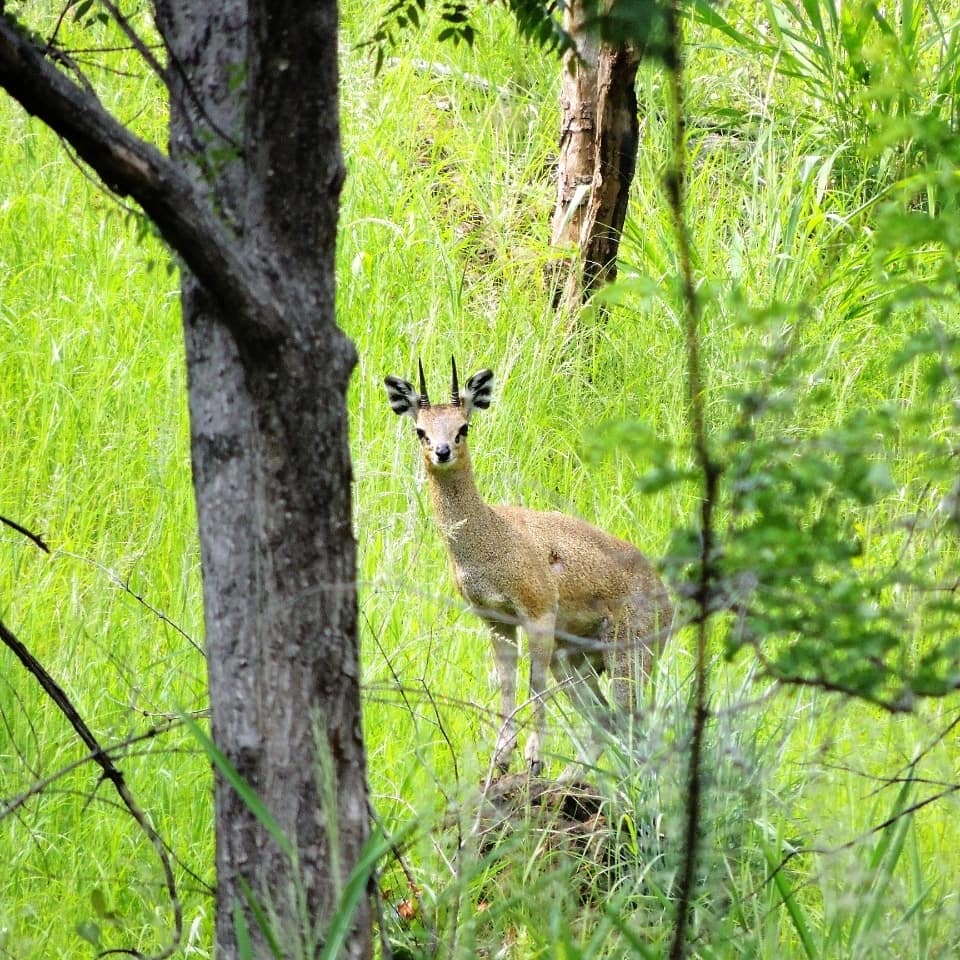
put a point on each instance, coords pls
(636, 21)
(536, 21)
(806, 593)
(541, 24)
(639, 22)
(81, 12)
(821, 566)
(835, 550)
(862, 70)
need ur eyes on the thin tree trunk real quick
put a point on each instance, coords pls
(599, 136)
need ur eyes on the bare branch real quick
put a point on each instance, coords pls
(41, 785)
(135, 39)
(877, 828)
(146, 52)
(26, 533)
(131, 167)
(124, 585)
(110, 772)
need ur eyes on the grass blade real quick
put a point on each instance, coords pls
(882, 865)
(250, 797)
(796, 913)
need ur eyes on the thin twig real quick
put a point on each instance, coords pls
(146, 52)
(135, 39)
(412, 885)
(10, 806)
(110, 772)
(99, 185)
(124, 585)
(30, 536)
(877, 828)
(119, 749)
(174, 65)
(710, 472)
(136, 168)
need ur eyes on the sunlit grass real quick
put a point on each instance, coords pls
(443, 249)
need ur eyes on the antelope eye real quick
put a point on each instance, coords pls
(462, 432)
(421, 434)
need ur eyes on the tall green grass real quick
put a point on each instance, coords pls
(443, 249)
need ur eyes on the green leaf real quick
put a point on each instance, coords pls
(89, 931)
(99, 903)
(709, 12)
(81, 9)
(662, 477)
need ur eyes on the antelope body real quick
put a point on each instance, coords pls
(588, 602)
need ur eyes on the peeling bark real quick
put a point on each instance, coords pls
(599, 136)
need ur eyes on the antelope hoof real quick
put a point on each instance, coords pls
(532, 755)
(503, 749)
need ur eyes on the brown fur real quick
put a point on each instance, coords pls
(588, 601)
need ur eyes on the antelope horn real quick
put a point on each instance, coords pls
(424, 401)
(455, 388)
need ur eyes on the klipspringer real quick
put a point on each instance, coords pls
(587, 601)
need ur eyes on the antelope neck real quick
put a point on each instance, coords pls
(457, 502)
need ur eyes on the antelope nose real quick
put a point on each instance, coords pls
(442, 451)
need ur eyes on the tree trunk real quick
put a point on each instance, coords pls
(250, 204)
(271, 462)
(599, 135)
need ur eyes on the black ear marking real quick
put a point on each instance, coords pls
(403, 398)
(479, 389)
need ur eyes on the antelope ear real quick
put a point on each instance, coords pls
(477, 392)
(403, 398)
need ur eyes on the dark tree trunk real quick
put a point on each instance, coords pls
(249, 202)
(271, 463)
(599, 135)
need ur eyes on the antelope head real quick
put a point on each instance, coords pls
(442, 428)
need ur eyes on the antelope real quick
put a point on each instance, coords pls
(587, 601)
